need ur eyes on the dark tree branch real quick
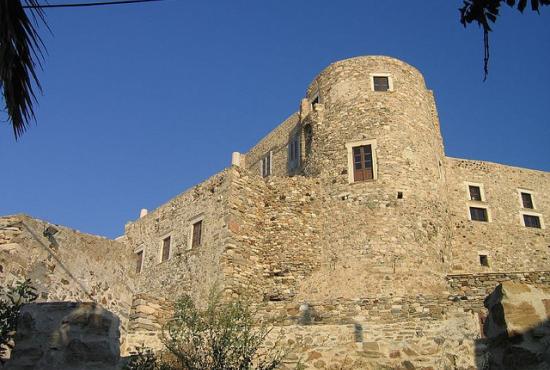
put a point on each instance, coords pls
(484, 12)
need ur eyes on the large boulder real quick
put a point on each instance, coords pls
(518, 327)
(65, 335)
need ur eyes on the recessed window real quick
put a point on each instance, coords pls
(166, 249)
(527, 200)
(266, 164)
(381, 83)
(399, 195)
(475, 193)
(196, 238)
(315, 101)
(361, 161)
(484, 260)
(294, 152)
(478, 214)
(531, 221)
(308, 139)
(139, 261)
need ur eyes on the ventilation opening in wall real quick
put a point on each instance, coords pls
(399, 195)
(484, 260)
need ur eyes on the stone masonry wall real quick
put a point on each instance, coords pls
(276, 141)
(188, 270)
(508, 245)
(70, 266)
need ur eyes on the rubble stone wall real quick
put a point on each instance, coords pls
(69, 266)
(509, 245)
(191, 270)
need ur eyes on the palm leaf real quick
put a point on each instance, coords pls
(21, 51)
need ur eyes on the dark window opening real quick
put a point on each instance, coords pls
(381, 83)
(315, 101)
(166, 249)
(475, 193)
(197, 234)
(294, 149)
(478, 214)
(531, 221)
(362, 163)
(484, 260)
(527, 200)
(399, 195)
(308, 139)
(266, 165)
(139, 261)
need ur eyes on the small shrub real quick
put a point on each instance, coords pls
(10, 304)
(225, 335)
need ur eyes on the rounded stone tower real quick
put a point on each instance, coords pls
(370, 134)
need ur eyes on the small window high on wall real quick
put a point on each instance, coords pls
(381, 82)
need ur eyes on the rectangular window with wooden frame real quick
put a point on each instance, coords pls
(166, 249)
(362, 163)
(196, 237)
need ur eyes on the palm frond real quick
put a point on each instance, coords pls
(21, 51)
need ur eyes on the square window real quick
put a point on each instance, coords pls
(139, 261)
(381, 83)
(475, 193)
(165, 249)
(531, 221)
(478, 214)
(484, 260)
(196, 238)
(527, 200)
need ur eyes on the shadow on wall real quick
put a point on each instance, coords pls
(517, 329)
(66, 335)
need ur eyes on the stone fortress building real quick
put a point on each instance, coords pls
(347, 223)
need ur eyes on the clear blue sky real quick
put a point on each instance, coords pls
(142, 102)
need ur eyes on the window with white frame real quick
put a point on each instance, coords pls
(362, 164)
(526, 199)
(381, 82)
(478, 210)
(531, 219)
(478, 214)
(266, 164)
